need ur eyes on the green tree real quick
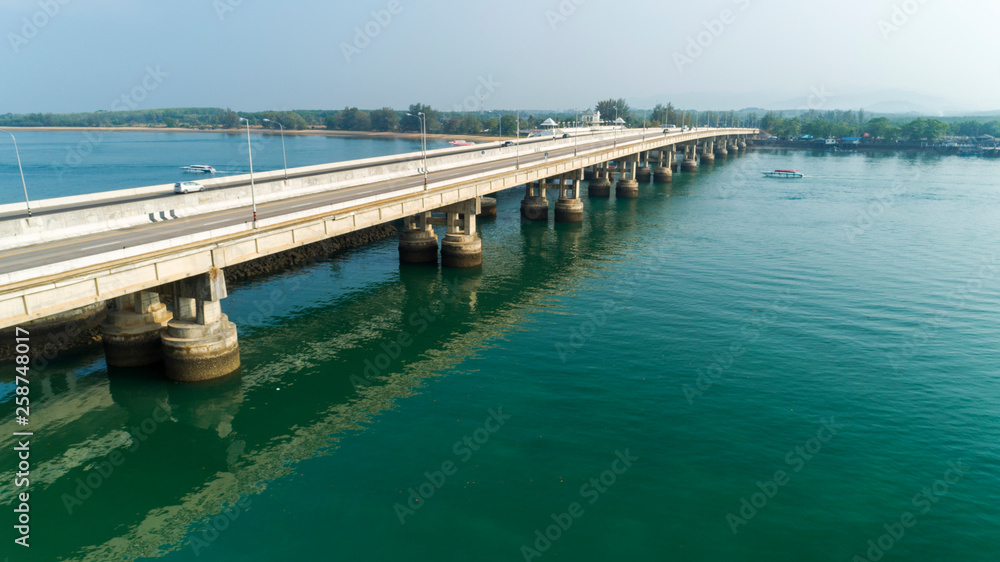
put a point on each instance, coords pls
(611, 107)
(385, 119)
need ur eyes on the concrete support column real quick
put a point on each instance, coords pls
(200, 342)
(628, 187)
(663, 173)
(720, 149)
(734, 147)
(487, 207)
(589, 173)
(742, 144)
(131, 330)
(569, 207)
(643, 173)
(600, 186)
(417, 241)
(462, 246)
(689, 164)
(708, 153)
(535, 206)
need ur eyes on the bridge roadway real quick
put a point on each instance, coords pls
(19, 259)
(187, 257)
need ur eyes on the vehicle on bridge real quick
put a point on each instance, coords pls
(188, 187)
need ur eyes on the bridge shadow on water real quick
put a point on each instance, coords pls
(130, 464)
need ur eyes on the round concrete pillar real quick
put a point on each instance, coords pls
(643, 174)
(721, 152)
(194, 352)
(689, 164)
(487, 207)
(462, 250)
(132, 339)
(600, 187)
(569, 210)
(535, 208)
(418, 246)
(663, 175)
(588, 174)
(707, 158)
(627, 189)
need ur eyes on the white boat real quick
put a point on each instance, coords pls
(461, 143)
(784, 174)
(199, 169)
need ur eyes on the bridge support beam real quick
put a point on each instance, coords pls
(535, 206)
(569, 207)
(200, 342)
(708, 153)
(487, 206)
(663, 172)
(720, 149)
(600, 186)
(462, 246)
(417, 241)
(643, 173)
(131, 331)
(689, 164)
(628, 187)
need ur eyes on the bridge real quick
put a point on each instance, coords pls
(129, 247)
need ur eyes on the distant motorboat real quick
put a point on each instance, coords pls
(784, 174)
(461, 143)
(199, 169)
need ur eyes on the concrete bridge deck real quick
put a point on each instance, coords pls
(75, 256)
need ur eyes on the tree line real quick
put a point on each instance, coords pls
(839, 124)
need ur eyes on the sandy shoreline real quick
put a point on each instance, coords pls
(308, 132)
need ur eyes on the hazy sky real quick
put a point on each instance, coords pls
(83, 55)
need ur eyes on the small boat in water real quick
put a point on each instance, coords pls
(461, 143)
(784, 174)
(199, 169)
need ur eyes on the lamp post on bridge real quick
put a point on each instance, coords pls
(21, 170)
(285, 160)
(253, 196)
(423, 140)
(517, 143)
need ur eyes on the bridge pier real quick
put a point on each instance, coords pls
(628, 187)
(720, 149)
(663, 172)
(734, 147)
(200, 342)
(462, 246)
(417, 241)
(487, 207)
(689, 164)
(643, 173)
(535, 206)
(569, 207)
(600, 186)
(589, 173)
(743, 144)
(131, 331)
(708, 153)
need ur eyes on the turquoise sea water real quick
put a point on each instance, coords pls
(809, 363)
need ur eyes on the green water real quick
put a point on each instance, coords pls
(685, 347)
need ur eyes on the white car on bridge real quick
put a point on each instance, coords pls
(188, 187)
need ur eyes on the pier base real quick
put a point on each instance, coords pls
(200, 343)
(488, 207)
(627, 189)
(461, 246)
(535, 206)
(663, 175)
(131, 331)
(643, 174)
(417, 241)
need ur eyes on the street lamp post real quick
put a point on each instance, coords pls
(517, 143)
(423, 140)
(253, 196)
(20, 169)
(285, 160)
